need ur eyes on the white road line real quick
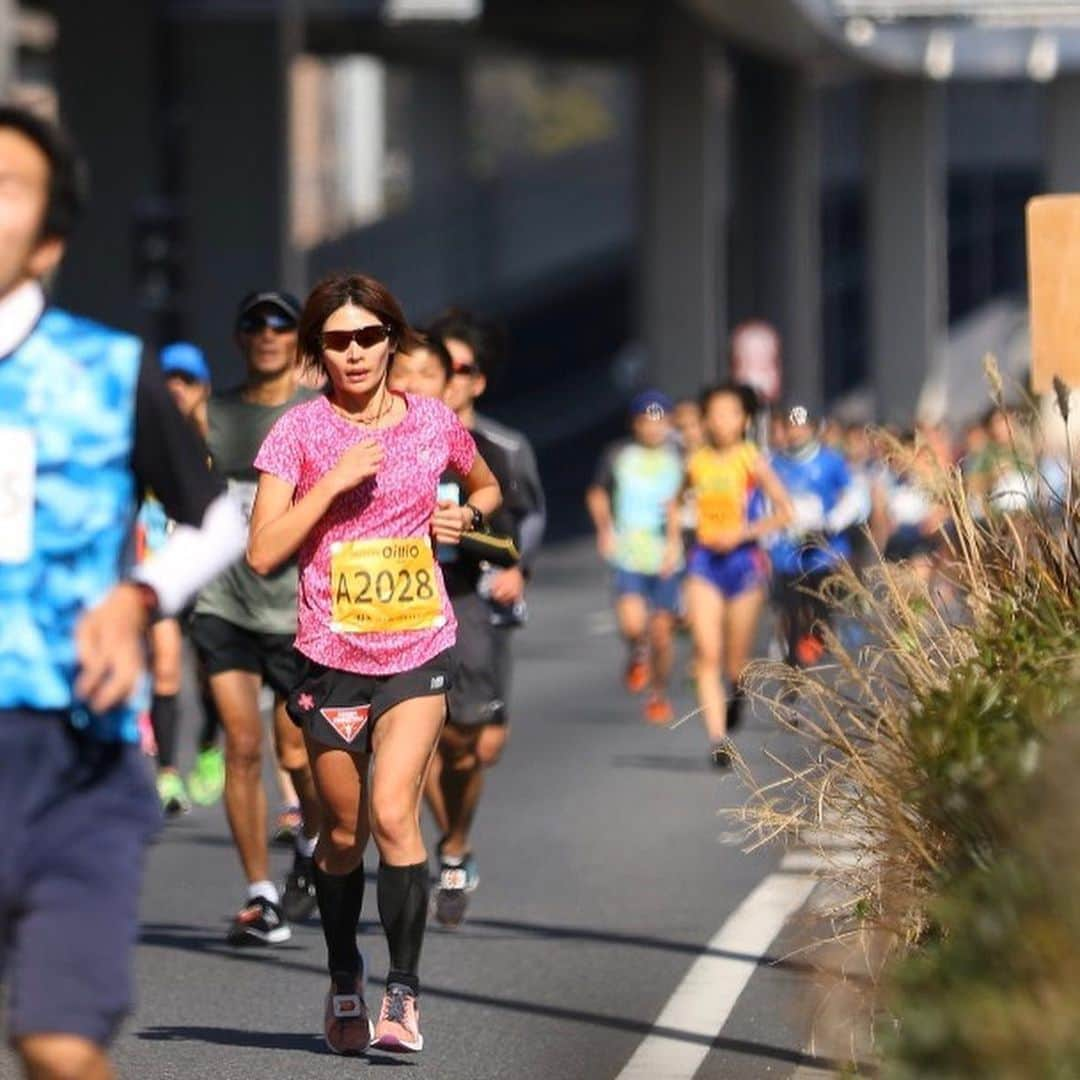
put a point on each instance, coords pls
(702, 1002)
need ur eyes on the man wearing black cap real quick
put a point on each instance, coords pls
(244, 627)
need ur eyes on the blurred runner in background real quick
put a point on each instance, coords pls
(244, 626)
(636, 485)
(727, 571)
(487, 590)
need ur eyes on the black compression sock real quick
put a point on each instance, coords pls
(164, 719)
(211, 724)
(403, 904)
(340, 896)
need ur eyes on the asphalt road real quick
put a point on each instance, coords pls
(606, 868)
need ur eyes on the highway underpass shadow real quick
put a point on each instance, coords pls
(166, 935)
(258, 1040)
(195, 939)
(680, 763)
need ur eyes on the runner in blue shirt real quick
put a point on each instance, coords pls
(635, 484)
(86, 428)
(826, 504)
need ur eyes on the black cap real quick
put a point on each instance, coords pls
(283, 301)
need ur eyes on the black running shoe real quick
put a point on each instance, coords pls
(259, 922)
(298, 900)
(735, 708)
(451, 899)
(720, 757)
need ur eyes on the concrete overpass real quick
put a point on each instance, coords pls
(186, 101)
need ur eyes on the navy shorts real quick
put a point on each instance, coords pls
(659, 593)
(732, 573)
(77, 816)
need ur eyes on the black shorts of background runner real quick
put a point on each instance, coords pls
(483, 658)
(318, 688)
(223, 646)
(799, 599)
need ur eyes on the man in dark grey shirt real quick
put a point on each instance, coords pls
(244, 627)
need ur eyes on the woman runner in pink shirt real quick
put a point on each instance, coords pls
(348, 485)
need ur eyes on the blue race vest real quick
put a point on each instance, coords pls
(67, 504)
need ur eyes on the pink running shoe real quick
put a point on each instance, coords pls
(347, 1026)
(398, 1029)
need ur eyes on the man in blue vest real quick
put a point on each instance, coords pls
(86, 427)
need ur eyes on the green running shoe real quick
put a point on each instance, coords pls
(206, 781)
(174, 799)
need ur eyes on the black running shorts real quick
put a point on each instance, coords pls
(482, 676)
(223, 646)
(340, 709)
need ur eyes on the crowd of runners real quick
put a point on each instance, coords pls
(707, 530)
(347, 544)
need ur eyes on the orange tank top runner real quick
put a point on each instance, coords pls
(723, 482)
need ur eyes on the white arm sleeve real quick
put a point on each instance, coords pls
(192, 557)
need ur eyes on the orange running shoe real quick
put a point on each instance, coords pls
(809, 649)
(637, 674)
(658, 710)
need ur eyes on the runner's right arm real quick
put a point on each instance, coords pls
(598, 502)
(279, 526)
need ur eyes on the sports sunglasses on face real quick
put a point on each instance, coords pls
(365, 337)
(277, 321)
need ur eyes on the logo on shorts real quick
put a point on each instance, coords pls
(349, 722)
(438, 682)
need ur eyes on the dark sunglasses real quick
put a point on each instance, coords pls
(365, 337)
(271, 320)
(466, 369)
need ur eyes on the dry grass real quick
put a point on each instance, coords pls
(912, 740)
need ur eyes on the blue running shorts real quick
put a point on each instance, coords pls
(733, 572)
(659, 593)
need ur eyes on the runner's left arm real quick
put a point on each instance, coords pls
(482, 490)
(170, 459)
(849, 509)
(529, 503)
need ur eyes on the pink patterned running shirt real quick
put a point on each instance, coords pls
(398, 502)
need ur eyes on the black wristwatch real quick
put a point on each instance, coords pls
(477, 518)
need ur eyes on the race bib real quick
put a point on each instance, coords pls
(242, 494)
(384, 586)
(719, 513)
(18, 464)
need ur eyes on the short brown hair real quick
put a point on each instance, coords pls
(337, 290)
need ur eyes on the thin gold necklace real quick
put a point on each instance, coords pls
(384, 407)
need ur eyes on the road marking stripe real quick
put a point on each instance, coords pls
(703, 1001)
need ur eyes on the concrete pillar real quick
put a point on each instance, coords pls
(9, 44)
(234, 76)
(776, 226)
(686, 90)
(440, 129)
(908, 242)
(108, 101)
(1063, 135)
